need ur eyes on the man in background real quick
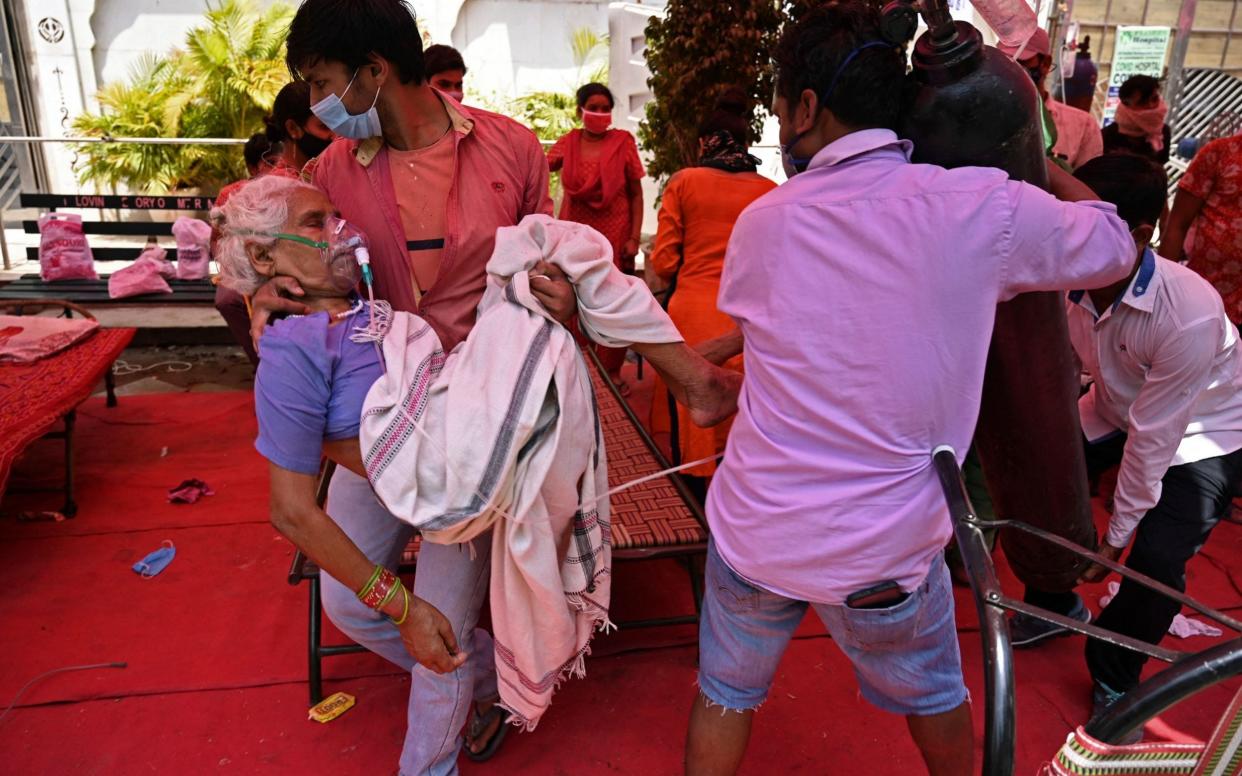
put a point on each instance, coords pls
(446, 70)
(1075, 134)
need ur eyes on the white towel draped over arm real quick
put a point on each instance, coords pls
(503, 434)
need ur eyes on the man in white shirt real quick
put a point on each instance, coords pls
(1165, 403)
(1078, 137)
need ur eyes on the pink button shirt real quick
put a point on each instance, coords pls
(866, 290)
(500, 176)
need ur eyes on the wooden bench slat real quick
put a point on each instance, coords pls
(108, 254)
(96, 291)
(129, 228)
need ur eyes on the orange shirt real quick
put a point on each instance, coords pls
(697, 213)
(420, 180)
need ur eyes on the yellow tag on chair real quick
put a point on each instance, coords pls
(331, 707)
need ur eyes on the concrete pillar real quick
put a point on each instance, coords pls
(62, 76)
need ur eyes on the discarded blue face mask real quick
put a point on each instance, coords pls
(157, 561)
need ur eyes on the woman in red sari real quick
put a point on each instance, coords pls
(600, 178)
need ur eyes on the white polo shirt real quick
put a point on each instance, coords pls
(1167, 371)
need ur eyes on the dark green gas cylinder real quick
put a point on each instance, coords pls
(972, 106)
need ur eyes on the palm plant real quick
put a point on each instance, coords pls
(220, 84)
(588, 46)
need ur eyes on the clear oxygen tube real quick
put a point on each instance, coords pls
(363, 257)
(1013, 21)
(347, 241)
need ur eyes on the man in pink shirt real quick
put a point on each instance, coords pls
(865, 290)
(1078, 136)
(429, 182)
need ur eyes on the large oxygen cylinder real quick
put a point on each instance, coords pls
(973, 106)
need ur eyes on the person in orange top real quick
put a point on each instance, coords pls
(600, 177)
(697, 213)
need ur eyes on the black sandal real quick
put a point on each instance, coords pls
(480, 723)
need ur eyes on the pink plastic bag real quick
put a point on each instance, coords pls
(63, 251)
(145, 276)
(193, 238)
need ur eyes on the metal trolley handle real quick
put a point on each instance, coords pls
(1190, 673)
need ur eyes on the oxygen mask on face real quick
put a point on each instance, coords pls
(344, 251)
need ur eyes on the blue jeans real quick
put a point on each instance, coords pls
(449, 579)
(905, 657)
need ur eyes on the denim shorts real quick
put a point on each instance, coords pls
(905, 657)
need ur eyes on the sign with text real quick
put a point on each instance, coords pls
(1139, 51)
(121, 202)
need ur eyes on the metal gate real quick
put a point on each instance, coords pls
(18, 168)
(1205, 94)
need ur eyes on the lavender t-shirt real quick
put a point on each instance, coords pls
(311, 383)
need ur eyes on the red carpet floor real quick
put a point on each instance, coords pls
(215, 644)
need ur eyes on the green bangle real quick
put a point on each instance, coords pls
(370, 582)
(406, 610)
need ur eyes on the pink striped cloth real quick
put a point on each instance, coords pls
(503, 434)
(25, 339)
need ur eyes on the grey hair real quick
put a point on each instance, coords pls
(258, 208)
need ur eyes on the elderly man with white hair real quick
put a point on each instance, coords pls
(315, 373)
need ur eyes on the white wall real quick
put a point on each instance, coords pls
(516, 46)
(62, 77)
(127, 29)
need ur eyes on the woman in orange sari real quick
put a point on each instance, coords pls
(697, 213)
(600, 178)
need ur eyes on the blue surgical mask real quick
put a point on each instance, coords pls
(156, 561)
(333, 113)
(794, 164)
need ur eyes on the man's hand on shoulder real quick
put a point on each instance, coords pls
(272, 299)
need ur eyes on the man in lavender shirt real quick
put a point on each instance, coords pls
(865, 290)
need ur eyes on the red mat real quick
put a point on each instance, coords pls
(33, 397)
(216, 644)
(131, 454)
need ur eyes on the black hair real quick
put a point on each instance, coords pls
(587, 91)
(1135, 184)
(729, 115)
(440, 58)
(256, 148)
(866, 94)
(350, 31)
(293, 102)
(1141, 86)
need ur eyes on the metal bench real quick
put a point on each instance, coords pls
(654, 520)
(95, 292)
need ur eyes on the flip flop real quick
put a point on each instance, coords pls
(480, 723)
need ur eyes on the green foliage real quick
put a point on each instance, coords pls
(590, 47)
(696, 51)
(221, 83)
(549, 114)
